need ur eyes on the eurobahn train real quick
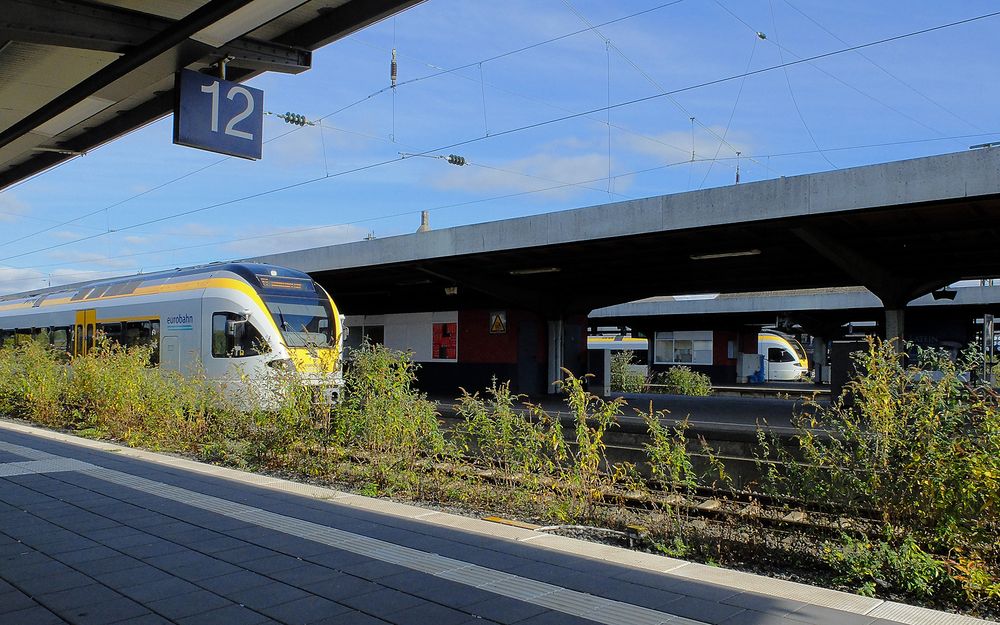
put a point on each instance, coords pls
(229, 319)
(782, 357)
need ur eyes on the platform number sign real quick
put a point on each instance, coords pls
(218, 115)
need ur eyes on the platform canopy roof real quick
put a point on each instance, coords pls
(901, 229)
(75, 74)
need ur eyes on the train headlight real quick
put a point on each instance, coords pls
(282, 364)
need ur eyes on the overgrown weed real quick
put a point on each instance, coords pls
(915, 446)
(915, 458)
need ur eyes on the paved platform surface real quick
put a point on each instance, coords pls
(92, 533)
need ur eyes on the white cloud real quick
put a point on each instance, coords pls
(539, 171)
(13, 280)
(195, 229)
(261, 241)
(674, 146)
(72, 276)
(11, 208)
(66, 235)
(82, 258)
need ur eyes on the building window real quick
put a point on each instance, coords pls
(683, 348)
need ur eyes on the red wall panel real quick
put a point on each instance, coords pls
(476, 344)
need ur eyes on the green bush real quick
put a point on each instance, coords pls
(32, 384)
(383, 417)
(682, 380)
(913, 462)
(110, 389)
(669, 461)
(917, 452)
(495, 435)
(865, 565)
(624, 378)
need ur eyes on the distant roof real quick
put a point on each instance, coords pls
(776, 302)
(76, 74)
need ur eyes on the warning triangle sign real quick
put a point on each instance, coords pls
(498, 323)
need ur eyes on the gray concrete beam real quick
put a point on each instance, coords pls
(935, 178)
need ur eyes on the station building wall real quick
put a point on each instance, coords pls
(712, 352)
(466, 348)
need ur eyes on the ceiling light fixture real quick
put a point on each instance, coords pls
(536, 270)
(753, 252)
(65, 151)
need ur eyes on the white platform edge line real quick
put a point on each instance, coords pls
(738, 579)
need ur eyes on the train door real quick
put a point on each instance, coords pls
(85, 331)
(170, 354)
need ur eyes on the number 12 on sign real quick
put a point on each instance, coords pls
(218, 115)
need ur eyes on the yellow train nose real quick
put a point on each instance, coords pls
(315, 360)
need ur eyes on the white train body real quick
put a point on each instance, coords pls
(785, 359)
(233, 321)
(780, 357)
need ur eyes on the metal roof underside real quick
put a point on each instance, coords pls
(921, 247)
(76, 74)
(900, 229)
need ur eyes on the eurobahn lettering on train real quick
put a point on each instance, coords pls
(180, 322)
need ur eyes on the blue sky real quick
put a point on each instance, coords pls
(927, 94)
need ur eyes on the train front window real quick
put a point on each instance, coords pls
(304, 322)
(800, 352)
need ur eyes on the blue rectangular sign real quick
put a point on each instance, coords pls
(218, 115)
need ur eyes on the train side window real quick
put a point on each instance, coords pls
(61, 338)
(234, 336)
(144, 333)
(22, 336)
(776, 354)
(112, 331)
(138, 333)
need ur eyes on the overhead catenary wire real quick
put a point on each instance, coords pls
(555, 187)
(479, 201)
(376, 93)
(791, 92)
(495, 87)
(135, 196)
(528, 127)
(836, 78)
(607, 53)
(445, 71)
(729, 122)
(885, 70)
(649, 78)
